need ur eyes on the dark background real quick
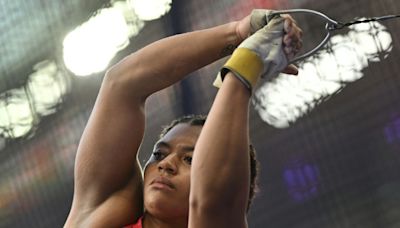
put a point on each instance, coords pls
(337, 165)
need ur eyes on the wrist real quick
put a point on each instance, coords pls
(231, 39)
(243, 28)
(235, 37)
(244, 64)
(239, 36)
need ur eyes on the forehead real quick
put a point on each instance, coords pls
(182, 132)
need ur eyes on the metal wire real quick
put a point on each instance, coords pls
(381, 18)
(330, 26)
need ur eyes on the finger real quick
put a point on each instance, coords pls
(290, 26)
(287, 25)
(298, 45)
(295, 33)
(291, 69)
(292, 40)
(288, 51)
(291, 45)
(287, 41)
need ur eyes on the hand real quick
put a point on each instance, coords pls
(267, 51)
(252, 23)
(291, 40)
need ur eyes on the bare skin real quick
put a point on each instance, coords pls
(167, 178)
(109, 186)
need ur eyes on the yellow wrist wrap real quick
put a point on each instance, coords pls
(244, 64)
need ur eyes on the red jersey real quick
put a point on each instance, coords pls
(138, 224)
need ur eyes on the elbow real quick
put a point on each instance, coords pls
(127, 71)
(124, 83)
(117, 76)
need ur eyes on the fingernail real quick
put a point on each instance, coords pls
(288, 50)
(287, 40)
(286, 26)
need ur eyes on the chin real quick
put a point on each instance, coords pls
(164, 208)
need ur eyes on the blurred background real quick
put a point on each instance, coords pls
(328, 140)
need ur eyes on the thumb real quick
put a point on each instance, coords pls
(291, 69)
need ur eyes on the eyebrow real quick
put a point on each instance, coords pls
(167, 145)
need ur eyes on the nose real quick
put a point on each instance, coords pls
(168, 165)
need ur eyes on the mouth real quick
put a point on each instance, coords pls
(162, 183)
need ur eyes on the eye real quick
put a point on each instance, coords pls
(158, 155)
(188, 159)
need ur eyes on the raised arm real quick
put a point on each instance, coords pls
(108, 178)
(220, 170)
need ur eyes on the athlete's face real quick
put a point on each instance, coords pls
(167, 175)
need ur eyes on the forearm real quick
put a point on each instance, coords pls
(169, 60)
(116, 127)
(220, 170)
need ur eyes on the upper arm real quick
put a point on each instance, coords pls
(220, 175)
(107, 172)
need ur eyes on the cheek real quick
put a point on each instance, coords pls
(149, 171)
(186, 180)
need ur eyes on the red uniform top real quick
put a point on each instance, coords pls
(138, 224)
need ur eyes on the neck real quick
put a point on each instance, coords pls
(150, 221)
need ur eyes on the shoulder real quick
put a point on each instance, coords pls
(118, 210)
